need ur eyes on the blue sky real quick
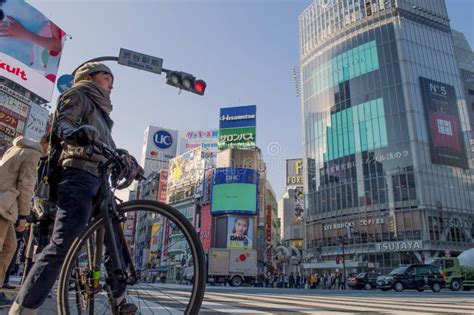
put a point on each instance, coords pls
(245, 50)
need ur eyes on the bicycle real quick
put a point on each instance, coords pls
(83, 288)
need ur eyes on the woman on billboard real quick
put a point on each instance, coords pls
(239, 238)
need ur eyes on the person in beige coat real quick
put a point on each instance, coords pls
(18, 174)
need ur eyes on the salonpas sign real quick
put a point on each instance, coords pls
(237, 138)
(401, 246)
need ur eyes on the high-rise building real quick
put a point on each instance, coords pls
(465, 57)
(386, 132)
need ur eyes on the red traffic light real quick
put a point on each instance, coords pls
(199, 87)
(338, 260)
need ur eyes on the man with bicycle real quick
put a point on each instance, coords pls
(83, 116)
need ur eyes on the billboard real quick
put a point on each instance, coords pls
(442, 120)
(14, 112)
(237, 138)
(206, 139)
(237, 127)
(30, 48)
(294, 172)
(160, 145)
(37, 122)
(184, 172)
(240, 232)
(238, 117)
(234, 190)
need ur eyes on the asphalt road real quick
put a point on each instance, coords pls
(166, 299)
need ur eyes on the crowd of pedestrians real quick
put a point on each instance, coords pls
(304, 281)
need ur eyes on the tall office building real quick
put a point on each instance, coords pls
(386, 132)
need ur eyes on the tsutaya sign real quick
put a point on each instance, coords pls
(399, 246)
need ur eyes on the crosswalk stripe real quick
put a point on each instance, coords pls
(388, 300)
(382, 304)
(243, 303)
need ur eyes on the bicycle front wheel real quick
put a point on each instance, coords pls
(166, 254)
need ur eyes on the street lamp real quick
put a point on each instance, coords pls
(350, 233)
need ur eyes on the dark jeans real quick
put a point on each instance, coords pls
(76, 192)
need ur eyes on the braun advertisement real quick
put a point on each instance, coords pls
(442, 120)
(234, 190)
(32, 63)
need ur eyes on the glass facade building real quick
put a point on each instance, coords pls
(386, 133)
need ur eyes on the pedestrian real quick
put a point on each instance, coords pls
(20, 240)
(298, 280)
(291, 281)
(82, 117)
(18, 179)
(286, 281)
(312, 281)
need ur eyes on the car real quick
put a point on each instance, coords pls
(364, 280)
(417, 277)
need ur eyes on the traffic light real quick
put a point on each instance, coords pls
(185, 81)
(338, 260)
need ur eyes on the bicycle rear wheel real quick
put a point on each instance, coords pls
(174, 250)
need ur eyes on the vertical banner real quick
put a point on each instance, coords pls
(206, 227)
(163, 186)
(268, 225)
(166, 240)
(30, 48)
(155, 242)
(443, 124)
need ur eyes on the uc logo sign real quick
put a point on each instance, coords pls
(163, 139)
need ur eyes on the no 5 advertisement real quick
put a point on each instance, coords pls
(442, 122)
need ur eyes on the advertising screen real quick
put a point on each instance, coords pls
(240, 232)
(442, 120)
(234, 190)
(32, 62)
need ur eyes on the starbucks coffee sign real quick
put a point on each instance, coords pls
(401, 246)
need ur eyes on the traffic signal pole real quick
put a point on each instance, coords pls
(181, 80)
(107, 58)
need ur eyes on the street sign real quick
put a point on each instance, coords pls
(64, 82)
(140, 61)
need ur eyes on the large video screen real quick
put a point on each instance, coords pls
(442, 120)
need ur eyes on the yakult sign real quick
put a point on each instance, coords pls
(30, 60)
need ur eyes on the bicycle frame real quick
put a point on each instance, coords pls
(121, 264)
